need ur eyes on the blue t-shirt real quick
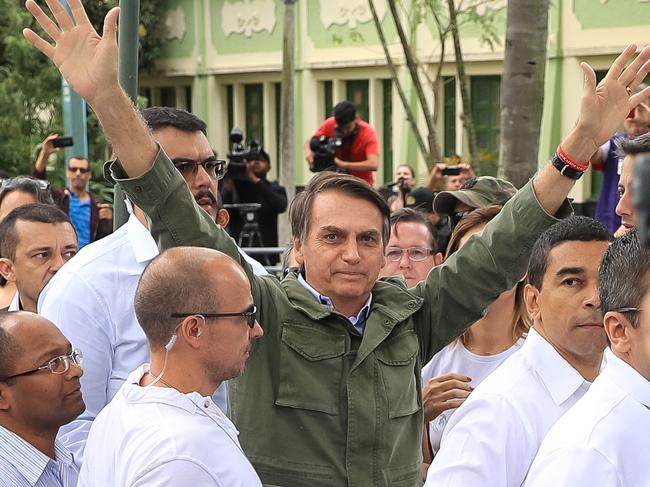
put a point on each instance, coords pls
(79, 213)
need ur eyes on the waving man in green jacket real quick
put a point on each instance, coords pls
(331, 393)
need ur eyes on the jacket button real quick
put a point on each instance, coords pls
(138, 189)
(411, 305)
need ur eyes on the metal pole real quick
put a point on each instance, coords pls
(74, 117)
(128, 72)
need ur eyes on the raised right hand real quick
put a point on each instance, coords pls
(87, 61)
(444, 392)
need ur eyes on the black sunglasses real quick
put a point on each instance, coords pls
(249, 314)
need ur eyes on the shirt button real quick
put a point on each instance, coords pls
(138, 189)
(206, 404)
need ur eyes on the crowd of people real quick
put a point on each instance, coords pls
(464, 333)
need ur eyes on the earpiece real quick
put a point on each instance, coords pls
(171, 342)
(198, 333)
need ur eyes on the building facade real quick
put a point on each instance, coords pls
(223, 61)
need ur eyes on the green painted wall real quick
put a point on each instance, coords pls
(595, 14)
(234, 43)
(183, 47)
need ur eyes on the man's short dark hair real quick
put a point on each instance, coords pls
(624, 275)
(9, 348)
(409, 215)
(575, 228)
(35, 212)
(81, 158)
(158, 118)
(39, 188)
(632, 147)
(300, 208)
(169, 286)
(344, 112)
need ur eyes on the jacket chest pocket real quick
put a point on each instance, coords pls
(397, 359)
(311, 367)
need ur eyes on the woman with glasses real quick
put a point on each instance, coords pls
(456, 370)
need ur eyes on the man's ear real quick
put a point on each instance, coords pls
(7, 269)
(5, 396)
(618, 329)
(297, 251)
(223, 217)
(437, 258)
(531, 298)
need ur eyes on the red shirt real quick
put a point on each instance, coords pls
(362, 146)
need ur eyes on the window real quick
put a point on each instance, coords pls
(356, 91)
(485, 101)
(387, 129)
(328, 102)
(278, 121)
(168, 96)
(254, 106)
(449, 96)
(230, 110)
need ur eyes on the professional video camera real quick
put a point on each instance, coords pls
(641, 196)
(324, 150)
(239, 154)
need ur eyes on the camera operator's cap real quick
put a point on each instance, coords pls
(420, 199)
(475, 193)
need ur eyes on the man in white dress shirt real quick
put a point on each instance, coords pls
(492, 438)
(91, 301)
(39, 392)
(162, 427)
(603, 439)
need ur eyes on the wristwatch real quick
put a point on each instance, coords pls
(565, 169)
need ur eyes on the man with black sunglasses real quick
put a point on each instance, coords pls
(91, 218)
(39, 393)
(162, 427)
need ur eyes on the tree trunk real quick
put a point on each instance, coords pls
(522, 89)
(287, 125)
(412, 65)
(463, 82)
(410, 116)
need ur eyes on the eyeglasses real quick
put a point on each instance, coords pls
(58, 365)
(628, 310)
(249, 314)
(82, 170)
(216, 168)
(415, 254)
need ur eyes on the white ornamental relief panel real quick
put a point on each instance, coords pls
(248, 17)
(349, 12)
(175, 27)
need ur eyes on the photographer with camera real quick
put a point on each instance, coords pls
(397, 192)
(91, 218)
(444, 177)
(247, 170)
(344, 143)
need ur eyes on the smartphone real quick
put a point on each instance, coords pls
(451, 171)
(62, 142)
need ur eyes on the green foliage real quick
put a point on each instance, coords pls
(30, 91)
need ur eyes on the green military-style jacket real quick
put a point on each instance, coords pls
(320, 404)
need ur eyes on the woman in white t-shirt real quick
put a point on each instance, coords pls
(453, 372)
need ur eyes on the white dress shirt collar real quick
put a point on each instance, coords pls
(559, 377)
(627, 378)
(190, 401)
(27, 459)
(15, 303)
(144, 246)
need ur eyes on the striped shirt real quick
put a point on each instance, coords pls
(22, 465)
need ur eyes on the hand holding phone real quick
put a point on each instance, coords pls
(63, 142)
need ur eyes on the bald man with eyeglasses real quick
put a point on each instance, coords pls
(39, 393)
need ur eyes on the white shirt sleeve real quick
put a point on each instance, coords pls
(484, 443)
(179, 471)
(81, 317)
(570, 466)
